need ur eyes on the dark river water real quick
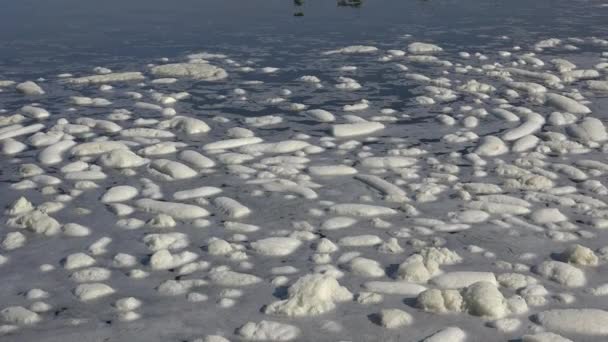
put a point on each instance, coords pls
(44, 36)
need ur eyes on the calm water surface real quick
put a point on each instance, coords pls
(46, 36)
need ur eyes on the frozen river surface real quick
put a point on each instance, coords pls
(217, 171)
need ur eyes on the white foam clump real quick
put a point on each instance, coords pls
(286, 146)
(532, 123)
(366, 267)
(204, 191)
(456, 280)
(176, 210)
(285, 185)
(390, 191)
(77, 260)
(311, 295)
(121, 159)
(276, 246)
(188, 125)
(581, 255)
(354, 49)
(338, 222)
(171, 170)
(164, 259)
(12, 241)
(170, 241)
(91, 274)
(566, 104)
(223, 276)
(332, 170)
(91, 102)
(394, 287)
(53, 154)
(36, 221)
(545, 337)
(75, 230)
(394, 318)
(231, 207)
(355, 129)
(231, 143)
(196, 71)
(196, 159)
(547, 215)
(362, 210)
(144, 132)
(480, 299)
(262, 121)
(92, 291)
(575, 321)
(18, 130)
(30, 88)
(35, 112)
(562, 273)
(12, 147)
(484, 299)
(219, 247)
(387, 162)
(119, 193)
(19, 315)
(97, 147)
(41, 139)
(491, 146)
(360, 240)
(321, 115)
(212, 338)
(268, 331)
(590, 129)
(21, 206)
(449, 334)
(107, 78)
(423, 48)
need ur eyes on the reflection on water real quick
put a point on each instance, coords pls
(350, 3)
(341, 3)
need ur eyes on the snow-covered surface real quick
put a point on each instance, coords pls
(401, 189)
